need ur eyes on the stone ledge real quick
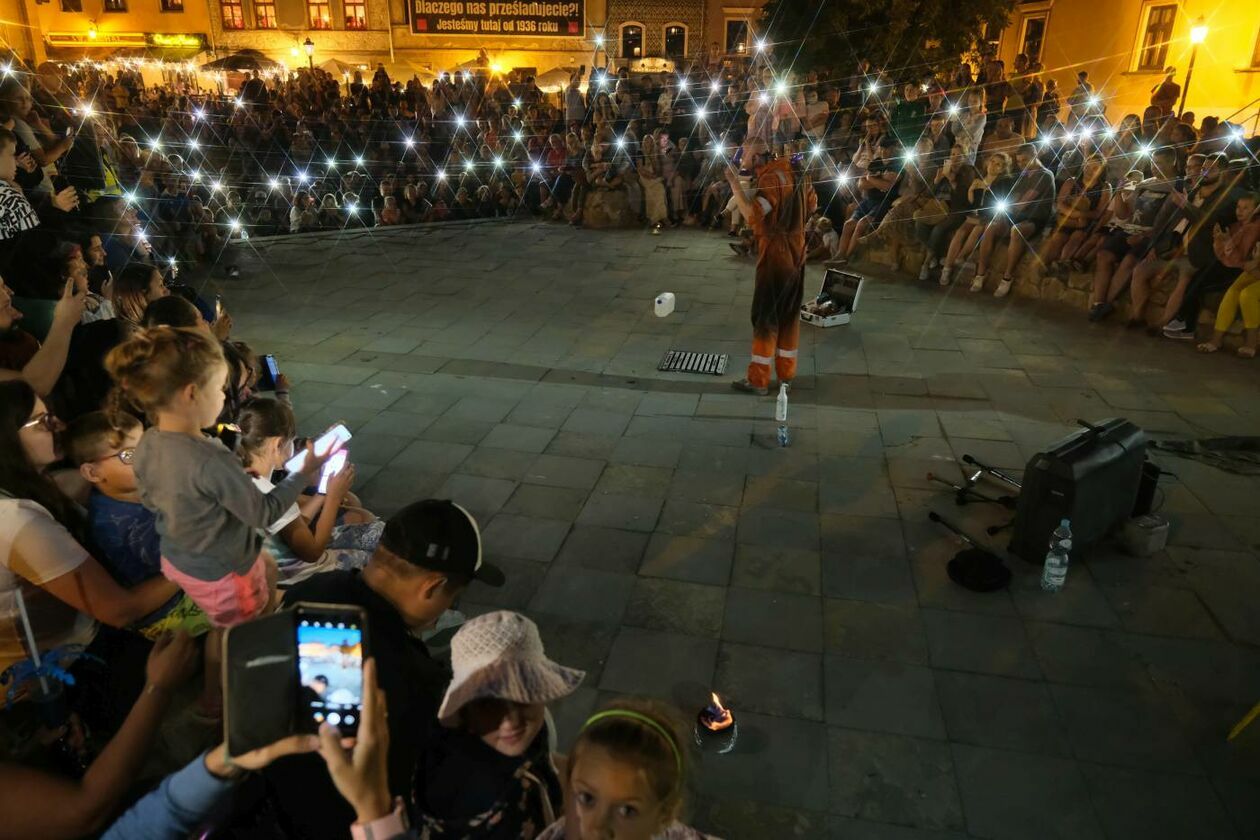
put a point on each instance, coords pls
(1072, 291)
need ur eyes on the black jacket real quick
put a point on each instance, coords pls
(300, 798)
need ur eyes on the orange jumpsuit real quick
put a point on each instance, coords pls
(780, 282)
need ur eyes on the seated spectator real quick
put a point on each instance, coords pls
(1083, 207)
(1004, 138)
(626, 776)
(1232, 244)
(123, 530)
(1244, 295)
(174, 311)
(1132, 231)
(491, 763)
(42, 534)
(427, 555)
(1185, 223)
(24, 358)
(1030, 204)
(879, 189)
(967, 124)
(300, 548)
(822, 241)
(950, 190)
(984, 195)
(391, 214)
(135, 288)
(37, 803)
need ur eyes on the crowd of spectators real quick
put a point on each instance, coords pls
(144, 504)
(984, 168)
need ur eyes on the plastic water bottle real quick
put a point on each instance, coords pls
(1054, 572)
(780, 414)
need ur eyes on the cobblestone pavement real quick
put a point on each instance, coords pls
(662, 541)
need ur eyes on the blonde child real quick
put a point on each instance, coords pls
(625, 777)
(208, 510)
(265, 444)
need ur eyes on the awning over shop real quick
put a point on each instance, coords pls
(116, 46)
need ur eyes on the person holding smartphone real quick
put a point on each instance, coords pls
(300, 550)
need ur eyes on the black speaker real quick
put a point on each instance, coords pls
(1090, 477)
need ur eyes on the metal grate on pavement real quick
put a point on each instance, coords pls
(685, 361)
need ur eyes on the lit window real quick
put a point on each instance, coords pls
(675, 41)
(737, 36)
(631, 41)
(172, 5)
(320, 13)
(233, 14)
(265, 14)
(1034, 38)
(115, 5)
(356, 14)
(1155, 37)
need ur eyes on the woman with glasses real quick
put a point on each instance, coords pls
(44, 566)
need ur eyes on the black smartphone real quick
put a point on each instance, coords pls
(270, 373)
(331, 640)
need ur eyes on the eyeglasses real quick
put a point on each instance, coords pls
(46, 419)
(125, 455)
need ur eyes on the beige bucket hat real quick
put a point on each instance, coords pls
(500, 654)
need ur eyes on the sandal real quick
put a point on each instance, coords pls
(1246, 352)
(1208, 347)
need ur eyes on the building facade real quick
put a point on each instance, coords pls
(73, 29)
(1126, 46)
(423, 36)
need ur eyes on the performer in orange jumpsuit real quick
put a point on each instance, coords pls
(777, 211)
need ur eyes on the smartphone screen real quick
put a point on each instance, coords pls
(332, 466)
(330, 668)
(272, 367)
(333, 439)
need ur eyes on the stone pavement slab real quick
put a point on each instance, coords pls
(663, 542)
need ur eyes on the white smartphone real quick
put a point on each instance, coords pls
(331, 467)
(329, 441)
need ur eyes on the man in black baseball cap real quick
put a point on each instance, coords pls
(428, 554)
(442, 537)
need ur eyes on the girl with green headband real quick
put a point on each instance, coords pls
(625, 778)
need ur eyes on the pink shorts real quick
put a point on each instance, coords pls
(230, 600)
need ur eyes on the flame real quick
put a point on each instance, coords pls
(718, 704)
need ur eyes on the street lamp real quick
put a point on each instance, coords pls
(1198, 34)
(309, 46)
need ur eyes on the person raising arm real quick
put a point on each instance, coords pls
(42, 370)
(39, 804)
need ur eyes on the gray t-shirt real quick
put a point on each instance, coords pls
(208, 509)
(1038, 207)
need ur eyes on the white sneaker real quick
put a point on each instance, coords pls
(977, 285)
(1003, 289)
(945, 278)
(925, 269)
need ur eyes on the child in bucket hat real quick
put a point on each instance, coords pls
(488, 773)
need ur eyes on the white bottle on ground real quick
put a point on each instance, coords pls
(1054, 572)
(781, 414)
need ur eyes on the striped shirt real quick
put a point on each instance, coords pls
(16, 213)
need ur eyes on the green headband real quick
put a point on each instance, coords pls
(646, 721)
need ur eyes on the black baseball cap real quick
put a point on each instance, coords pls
(441, 536)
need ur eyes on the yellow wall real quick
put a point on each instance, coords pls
(1102, 37)
(387, 18)
(141, 16)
